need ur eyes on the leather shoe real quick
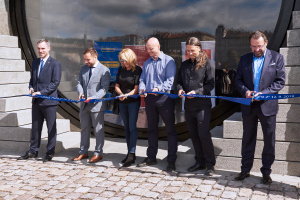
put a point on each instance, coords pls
(147, 162)
(48, 157)
(266, 179)
(80, 157)
(241, 176)
(28, 155)
(196, 167)
(171, 167)
(210, 171)
(95, 158)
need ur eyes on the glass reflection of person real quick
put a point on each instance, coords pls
(127, 83)
(158, 76)
(197, 76)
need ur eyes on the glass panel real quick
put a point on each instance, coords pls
(74, 25)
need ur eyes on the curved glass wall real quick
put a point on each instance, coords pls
(222, 25)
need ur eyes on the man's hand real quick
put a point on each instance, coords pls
(81, 96)
(256, 95)
(36, 93)
(249, 94)
(88, 99)
(154, 90)
(31, 90)
(191, 92)
(141, 93)
(180, 92)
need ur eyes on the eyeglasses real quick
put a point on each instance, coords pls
(259, 47)
(122, 60)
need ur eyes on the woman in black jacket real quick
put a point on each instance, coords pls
(197, 76)
(127, 84)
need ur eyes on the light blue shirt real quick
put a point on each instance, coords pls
(158, 73)
(257, 68)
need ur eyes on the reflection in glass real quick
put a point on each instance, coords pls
(74, 25)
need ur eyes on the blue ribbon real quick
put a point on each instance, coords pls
(81, 100)
(245, 101)
(275, 96)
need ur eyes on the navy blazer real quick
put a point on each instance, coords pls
(272, 80)
(47, 82)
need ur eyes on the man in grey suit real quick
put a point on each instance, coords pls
(93, 83)
(45, 78)
(259, 72)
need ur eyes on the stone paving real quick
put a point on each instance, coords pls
(64, 179)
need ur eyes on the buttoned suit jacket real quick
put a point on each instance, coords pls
(47, 82)
(272, 80)
(95, 88)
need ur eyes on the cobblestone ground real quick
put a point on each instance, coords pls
(33, 179)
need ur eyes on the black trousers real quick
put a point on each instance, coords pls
(268, 124)
(164, 106)
(39, 114)
(198, 126)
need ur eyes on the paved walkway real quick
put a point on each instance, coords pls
(64, 179)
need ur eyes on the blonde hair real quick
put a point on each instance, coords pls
(129, 56)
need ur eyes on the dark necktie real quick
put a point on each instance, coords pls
(90, 73)
(42, 64)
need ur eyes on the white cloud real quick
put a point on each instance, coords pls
(74, 18)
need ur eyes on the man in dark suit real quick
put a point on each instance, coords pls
(259, 72)
(45, 78)
(93, 83)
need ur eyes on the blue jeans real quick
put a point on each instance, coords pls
(129, 113)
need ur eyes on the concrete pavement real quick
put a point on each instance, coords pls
(65, 179)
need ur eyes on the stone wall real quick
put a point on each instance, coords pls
(5, 28)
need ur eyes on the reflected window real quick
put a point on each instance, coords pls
(74, 25)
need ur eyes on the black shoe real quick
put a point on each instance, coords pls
(241, 176)
(147, 162)
(124, 160)
(196, 167)
(266, 179)
(28, 155)
(130, 160)
(171, 167)
(48, 157)
(210, 171)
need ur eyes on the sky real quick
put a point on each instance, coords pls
(103, 18)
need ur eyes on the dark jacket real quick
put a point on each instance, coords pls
(202, 81)
(47, 82)
(271, 81)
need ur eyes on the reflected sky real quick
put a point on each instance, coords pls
(74, 18)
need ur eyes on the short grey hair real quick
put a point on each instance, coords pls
(44, 40)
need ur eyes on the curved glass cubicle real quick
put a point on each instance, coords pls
(74, 25)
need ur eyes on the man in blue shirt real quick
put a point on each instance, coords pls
(158, 76)
(260, 71)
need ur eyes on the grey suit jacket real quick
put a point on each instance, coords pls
(96, 87)
(272, 80)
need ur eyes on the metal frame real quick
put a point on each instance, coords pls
(70, 111)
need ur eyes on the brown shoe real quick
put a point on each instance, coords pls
(95, 159)
(80, 157)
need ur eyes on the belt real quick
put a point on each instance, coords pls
(169, 91)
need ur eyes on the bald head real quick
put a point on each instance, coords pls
(153, 47)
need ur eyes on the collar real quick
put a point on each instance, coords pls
(45, 59)
(160, 57)
(95, 65)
